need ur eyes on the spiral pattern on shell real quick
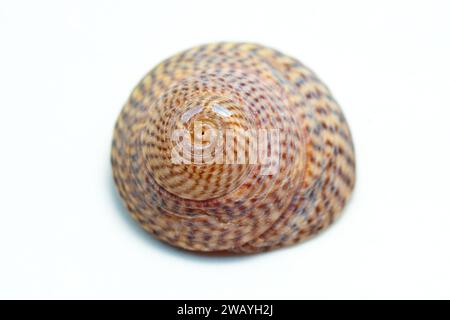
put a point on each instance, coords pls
(184, 196)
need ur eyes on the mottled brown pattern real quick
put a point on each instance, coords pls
(232, 207)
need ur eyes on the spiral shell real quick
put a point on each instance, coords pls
(177, 181)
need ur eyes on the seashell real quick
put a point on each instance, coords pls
(232, 147)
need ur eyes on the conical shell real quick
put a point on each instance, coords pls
(232, 147)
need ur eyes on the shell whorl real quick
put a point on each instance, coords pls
(216, 94)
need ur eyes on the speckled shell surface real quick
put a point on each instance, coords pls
(233, 207)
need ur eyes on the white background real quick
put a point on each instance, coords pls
(67, 67)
